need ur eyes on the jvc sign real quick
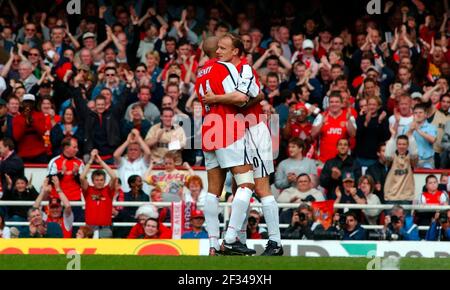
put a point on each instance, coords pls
(374, 7)
(73, 7)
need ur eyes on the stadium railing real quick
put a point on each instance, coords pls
(227, 207)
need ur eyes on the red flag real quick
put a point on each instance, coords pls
(323, 212)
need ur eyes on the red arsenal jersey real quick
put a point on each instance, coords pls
(99, 206)
(220, 127)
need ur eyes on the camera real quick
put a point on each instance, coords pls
(394, 219)
(443, 217)
(301, 216)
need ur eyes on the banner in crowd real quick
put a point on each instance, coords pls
(201, 247)
(323, 212)
(181, 218)
(99, 247)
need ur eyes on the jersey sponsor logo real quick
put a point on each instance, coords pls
(334, 131)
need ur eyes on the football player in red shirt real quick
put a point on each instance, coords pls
(223, 145)
(259, 141)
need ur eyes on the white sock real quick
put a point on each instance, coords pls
(211, 211)
(238, 212)
(242, 234)
(270, 211)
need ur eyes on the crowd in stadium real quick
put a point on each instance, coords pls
(359, 106)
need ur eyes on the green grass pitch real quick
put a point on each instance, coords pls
(97, 262)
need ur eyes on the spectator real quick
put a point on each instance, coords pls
(28, 129)
(3, 118)
(85, 232)
(4, 230)
(302, 225)
(13, 106)
(303, 192)
(170, 181)
(433, 195)
(151, 229)
(135, 194)
(196, 192)
(151, 112)
(332, 126)
(136, 161)
(366, 185)
(439, 229)
(298, 125)
(437, 119)
(445, 144)
(332, 172)
(165, 137)
(349, 193)
(67, 127)
(425, 135)
(26, 75)
(254, 231)
(288, 170)
(372, 129)
(21, 191)
(403, 115)
(68, 169)
(11, 164)
(197, 221)
(378, 172)
(38, 228)
(137, 122)
(401, 159)
(353, 230)
(402, 225)
(47, 107)
(55, 210)
(143, 213)
(99, 198)
(102, 127)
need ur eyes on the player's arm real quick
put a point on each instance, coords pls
(235, 98)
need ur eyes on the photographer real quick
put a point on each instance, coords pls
(393, 229)
(346, 227)
(405, 227)
(440, 228)
(302, 225)
(253, 229)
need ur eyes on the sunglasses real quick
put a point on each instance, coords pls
(140, 71)
(33, 54)
(110, 75)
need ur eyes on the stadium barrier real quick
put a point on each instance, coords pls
(306, 248)
(227, 207)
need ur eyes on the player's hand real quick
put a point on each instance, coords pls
(209, 98)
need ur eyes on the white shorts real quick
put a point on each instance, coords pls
(259, 148)
(231, 156)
